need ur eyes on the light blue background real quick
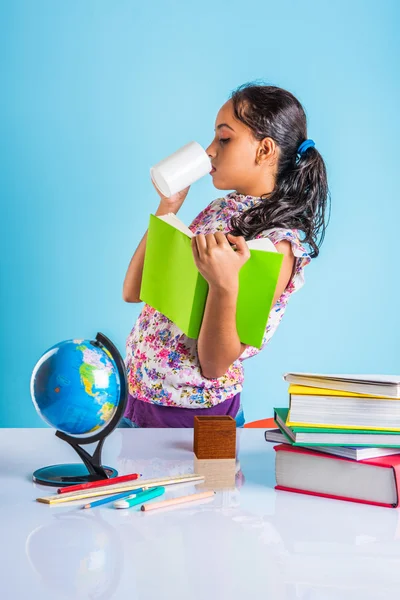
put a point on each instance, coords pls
(94, 92)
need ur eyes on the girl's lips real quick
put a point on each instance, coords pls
(213, 170)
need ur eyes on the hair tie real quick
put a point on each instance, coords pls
(305, 146)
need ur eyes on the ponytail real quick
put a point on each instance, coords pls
(300, 197)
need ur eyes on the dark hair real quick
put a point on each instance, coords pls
(301, 193)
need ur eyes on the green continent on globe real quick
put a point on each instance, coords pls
(92, 362)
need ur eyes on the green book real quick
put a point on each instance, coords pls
(319, 436)
(172, 284)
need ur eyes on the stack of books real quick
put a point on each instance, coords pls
(340, 437)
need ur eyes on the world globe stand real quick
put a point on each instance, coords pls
(91, 468)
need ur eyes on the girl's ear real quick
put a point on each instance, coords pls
(267, 151)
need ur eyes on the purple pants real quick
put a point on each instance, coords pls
(145, 414)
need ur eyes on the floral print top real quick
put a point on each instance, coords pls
(162, 362)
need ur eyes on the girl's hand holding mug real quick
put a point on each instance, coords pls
(171, 204)
(173, 176)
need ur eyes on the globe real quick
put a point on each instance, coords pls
(79, 387)
(76, 387)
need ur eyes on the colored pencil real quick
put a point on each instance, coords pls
(175, 501)
(119, 488)
(99, 483)
(114, 497)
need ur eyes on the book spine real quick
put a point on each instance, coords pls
(198, 307)
(396, 475)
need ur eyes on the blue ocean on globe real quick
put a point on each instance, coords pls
(75, 387)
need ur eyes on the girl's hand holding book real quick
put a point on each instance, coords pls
(217, 261)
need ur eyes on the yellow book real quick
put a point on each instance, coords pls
(322, 407)
(303, 390)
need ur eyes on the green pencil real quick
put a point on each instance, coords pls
(140, 498)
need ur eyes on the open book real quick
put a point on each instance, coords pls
(172, 284)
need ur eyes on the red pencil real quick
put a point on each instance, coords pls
(100, 483)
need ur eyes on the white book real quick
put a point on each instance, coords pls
(375, 385)
(354, 453)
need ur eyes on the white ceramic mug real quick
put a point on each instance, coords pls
(181, 169)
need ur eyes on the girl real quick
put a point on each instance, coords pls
(260, 150)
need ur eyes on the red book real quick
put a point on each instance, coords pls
(99, 483)
(373, 481)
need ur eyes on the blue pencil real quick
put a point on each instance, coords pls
(115, 497)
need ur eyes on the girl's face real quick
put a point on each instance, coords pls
(233, 154)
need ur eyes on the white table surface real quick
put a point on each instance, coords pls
(250, 541)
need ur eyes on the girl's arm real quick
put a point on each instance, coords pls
(219, 344)
(133, 277)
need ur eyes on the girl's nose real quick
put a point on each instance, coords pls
(211, 150)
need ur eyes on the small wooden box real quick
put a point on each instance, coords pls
(214, 437)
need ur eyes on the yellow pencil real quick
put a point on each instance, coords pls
(115, 489)
(174, 501)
